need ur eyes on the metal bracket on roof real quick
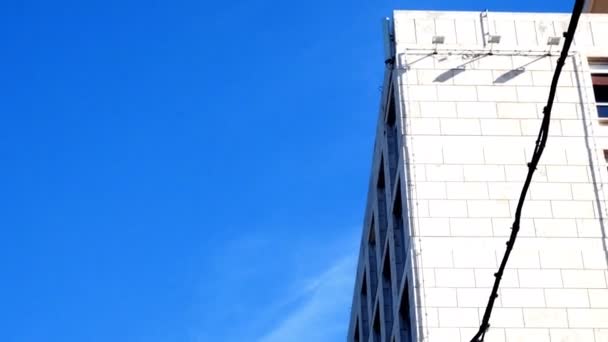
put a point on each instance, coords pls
(485, 27)
(389, 42)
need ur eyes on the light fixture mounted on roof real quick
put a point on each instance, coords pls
(436, 41)
(553, 41)
(493, 39)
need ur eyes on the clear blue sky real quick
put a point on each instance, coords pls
(187, 170)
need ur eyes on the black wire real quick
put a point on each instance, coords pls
(541, 141)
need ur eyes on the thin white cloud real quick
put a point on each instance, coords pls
(305, 294)
(323, 314)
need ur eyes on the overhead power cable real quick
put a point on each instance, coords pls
(541, 141)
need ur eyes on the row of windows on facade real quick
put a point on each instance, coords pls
(362, 324)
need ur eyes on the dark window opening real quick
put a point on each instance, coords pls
(356, 337)
(381, 198)
(387, 289)
(372, 235)
(364, 306)
(372, 250)
(405, 325)
(386, 269)
(380, 183)
(600, 89)
(391, 137)
(397, 206)
(376, 327)
(399, 234)
(391, 116)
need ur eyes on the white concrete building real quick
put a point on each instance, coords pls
(458, 120)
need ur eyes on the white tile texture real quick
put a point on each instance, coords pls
(466, 123)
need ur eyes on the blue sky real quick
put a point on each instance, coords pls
(187, 170)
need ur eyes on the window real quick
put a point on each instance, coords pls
(600, 89)
(372, 250)
(376, 327)
(381, 198)
(391, 136)
(356, 337)
(404, 315)
(599, 78)
(399, 234)
(387, 288)
(364, 303)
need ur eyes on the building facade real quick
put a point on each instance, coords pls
(460, 112)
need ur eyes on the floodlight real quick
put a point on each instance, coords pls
(554, 40)
(494, 39)
(438, 39)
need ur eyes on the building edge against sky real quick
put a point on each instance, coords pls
(460, 111)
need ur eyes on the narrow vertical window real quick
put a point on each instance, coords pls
(376, 327)
(405, 325)
(387, 290)
(356, 336)
(391, 137)
(399, 235)
(381, 198)
(364, 306)
(372, 250)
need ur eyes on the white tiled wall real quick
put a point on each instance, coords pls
(469, 133)
(468, 122)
